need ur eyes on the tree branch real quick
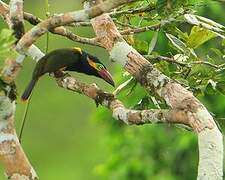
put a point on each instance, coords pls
(187, 64)
(119, 112)
(16, 164)
(138, 10)
(176, 96)
(16, 17)
(186, 109)
(77, 16)
(62, 31)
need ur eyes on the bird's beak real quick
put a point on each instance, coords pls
(104, 74)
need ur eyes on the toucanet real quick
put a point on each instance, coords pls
(67, 59)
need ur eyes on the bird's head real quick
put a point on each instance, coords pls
(96, 68)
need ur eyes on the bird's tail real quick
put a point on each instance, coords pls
(28, 90)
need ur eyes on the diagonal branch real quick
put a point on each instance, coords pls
(59, 20)
(172, 60)
(16, 164)
(62, 31)
(177, 97)
(186, 107)
(138, 10)
(119, 112)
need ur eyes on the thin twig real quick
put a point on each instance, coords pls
(133, 11)
(189, 64)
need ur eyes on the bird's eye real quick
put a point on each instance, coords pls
(99, 66)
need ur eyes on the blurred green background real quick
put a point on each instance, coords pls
(59, 139)
(65, 138)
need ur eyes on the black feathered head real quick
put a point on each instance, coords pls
(92, 66)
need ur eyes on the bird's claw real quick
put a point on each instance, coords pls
(97, 100)
(102, 96)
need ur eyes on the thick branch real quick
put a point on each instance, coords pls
(16, 17)
(119, 112)
(82, 15)
(12, 155)
(62, 31)
(14, 159)
(176, 96)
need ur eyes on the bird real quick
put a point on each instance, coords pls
(67, 59)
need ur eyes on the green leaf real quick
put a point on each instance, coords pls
(153, 42)
(132, 95)
(177, 42)
(6, 41)
(210, 87)
(223, 42)
(141, 46)
(180, 45)
(165, 7)
(6, 37)
(217, 52)
(160, 6)
(125, 85)
(181, 35)
(199, 91)
(206, 23)
(220, 86)
(210, 22)
(198, 36)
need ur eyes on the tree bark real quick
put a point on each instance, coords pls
(185, 108)
(177, 97)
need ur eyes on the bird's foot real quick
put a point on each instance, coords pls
(103, 98)
(59, 74)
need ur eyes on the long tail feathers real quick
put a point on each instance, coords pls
(28, 90)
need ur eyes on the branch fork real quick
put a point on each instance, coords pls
(185, 108)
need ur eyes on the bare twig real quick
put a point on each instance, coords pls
(138, 10)
(187, 64)
(70, 35)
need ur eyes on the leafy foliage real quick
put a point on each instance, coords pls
(6, 41)
(191, 52)
(143, 152)
(198, 36)
(139, 153)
